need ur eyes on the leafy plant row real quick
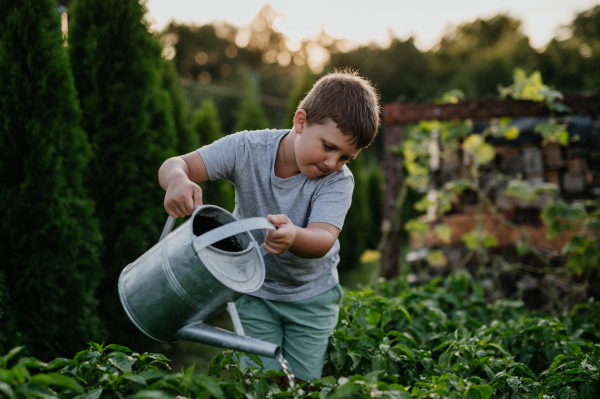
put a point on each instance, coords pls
(439, 340)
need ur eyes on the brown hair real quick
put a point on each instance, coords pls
(347, 99)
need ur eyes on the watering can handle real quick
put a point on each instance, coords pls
(168, 227)
(231, 229)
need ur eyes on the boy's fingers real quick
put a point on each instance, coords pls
(197, 196)
(278, 219)
(270, 249)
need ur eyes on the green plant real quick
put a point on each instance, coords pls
(49, 237)
(127, 115)
(207, 128)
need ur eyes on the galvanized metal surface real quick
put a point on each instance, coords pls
(186, 279)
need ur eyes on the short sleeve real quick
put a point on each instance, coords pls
(332, 201)
(220, 156)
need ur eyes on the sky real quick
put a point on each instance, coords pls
(375, 21)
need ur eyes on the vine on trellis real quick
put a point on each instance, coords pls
(430, 142)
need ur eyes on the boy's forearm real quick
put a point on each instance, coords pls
(172, 169)
(312, 242)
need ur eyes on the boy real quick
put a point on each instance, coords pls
(298, 179)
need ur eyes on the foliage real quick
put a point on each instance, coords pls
(206, 127)
(49, 238)
(399, 341)
(303, 85)
(127, 115)
(251, 115)
(429, 140)
(361, 225)
(186, 140)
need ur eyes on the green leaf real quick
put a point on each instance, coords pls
(338, 358)
(415, 391)
(568, 393)
(93, 394)
(151, 394)
(404, 349)
(7, 390)
(436, 258)
(118, 348)
(152, 374)
(587, 391)
(480, 392)
(444, 360)
(373, 317)
(512, 133)
(471, 240)
(444, 232)
(58, 380)
(135, 378)
(488, 371)
(4, 359)
(490, 241)
(211, 386)
(256, 360)
(120, 361)
(563, 138)
(261, 388)
(328, 381)
(95, 346)
(35, 391)
(355, 356)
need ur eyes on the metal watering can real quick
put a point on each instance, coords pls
(191, 275)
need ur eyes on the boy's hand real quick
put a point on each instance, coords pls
(280, 240)
(182, 197)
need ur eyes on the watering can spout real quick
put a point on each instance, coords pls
(209, 335)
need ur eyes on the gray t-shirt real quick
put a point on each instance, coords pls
(247, 159)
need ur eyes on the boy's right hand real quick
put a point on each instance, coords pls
(182, 197)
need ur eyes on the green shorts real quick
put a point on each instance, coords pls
(301, 329)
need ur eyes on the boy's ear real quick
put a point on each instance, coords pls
(299, 120)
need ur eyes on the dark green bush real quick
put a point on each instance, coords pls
(207, 129)
(127, 115)
(49, 238)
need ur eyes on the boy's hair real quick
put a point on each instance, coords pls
(347, 99)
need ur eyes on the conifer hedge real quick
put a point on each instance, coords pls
(207, 129)
(187, 141)
(49, 239)
(126, 113)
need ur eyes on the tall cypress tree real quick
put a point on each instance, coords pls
(251, 116)
(207, 128)
(187, 141)
(126, 113)
(49, 239)
(305, 82)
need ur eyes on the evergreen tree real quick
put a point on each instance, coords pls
(303, 85)
(49, 239)
(354, 235)
(207, 128)
(252, 116)
(126, 113)
(186, 139)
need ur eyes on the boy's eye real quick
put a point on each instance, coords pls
(327, 147)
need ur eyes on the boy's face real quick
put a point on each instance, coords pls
(321, 149)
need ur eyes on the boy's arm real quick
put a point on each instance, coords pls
(179, 177)
(311, 242)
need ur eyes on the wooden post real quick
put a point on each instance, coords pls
(392, 223)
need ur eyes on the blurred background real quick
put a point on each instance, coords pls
(127, 85)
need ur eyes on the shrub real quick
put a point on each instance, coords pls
(49, 239)
(207, 128)
(126, 113)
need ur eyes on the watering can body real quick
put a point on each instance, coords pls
(191, 275)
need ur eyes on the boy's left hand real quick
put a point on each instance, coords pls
(280, 240)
